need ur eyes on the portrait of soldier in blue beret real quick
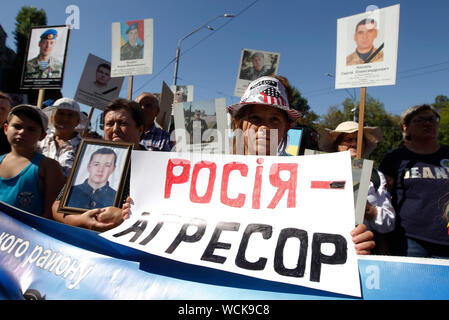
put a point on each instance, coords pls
(131, 49)
(45, 65)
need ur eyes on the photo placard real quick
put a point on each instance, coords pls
(132, 48)
(44, 64)
(255, 64)
(367, 49)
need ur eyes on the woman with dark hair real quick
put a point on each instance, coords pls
(124, 121)
(417, 175)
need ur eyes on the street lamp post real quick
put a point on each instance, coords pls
(178, 49)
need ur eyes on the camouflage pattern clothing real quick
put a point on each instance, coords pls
(128, 52)
(35, 71)
(252, 74)
(354, 58)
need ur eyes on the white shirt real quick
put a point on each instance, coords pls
(64, 155)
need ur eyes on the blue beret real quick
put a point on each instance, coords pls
(133, 26)
(50, 34)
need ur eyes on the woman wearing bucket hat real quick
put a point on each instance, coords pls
(260, 122)
(62, 142)
(344, 138)
(379, 213)
(263, 117)
(418, 173)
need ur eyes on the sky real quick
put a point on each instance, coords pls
(303, 32)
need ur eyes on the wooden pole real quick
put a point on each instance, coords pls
(86, 129)
(130, 88)
(40, 98)
(361, 122)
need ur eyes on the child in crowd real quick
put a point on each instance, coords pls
(28, 180)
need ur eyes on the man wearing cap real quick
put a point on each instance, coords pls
(28, 180)
(62, 141)
(44, 65)
(131, 49)
(365, 34)
(258, 69)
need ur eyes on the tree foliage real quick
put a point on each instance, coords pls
(375, 115)
(332, 118)
(442, 105)
(27, 18)
(300, 104)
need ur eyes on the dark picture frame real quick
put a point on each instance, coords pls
(47, 79)
(92, 171)
(96, 87)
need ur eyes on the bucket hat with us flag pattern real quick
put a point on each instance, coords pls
(266, 91)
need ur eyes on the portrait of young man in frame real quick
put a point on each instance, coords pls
(45, 57)
(98, 176)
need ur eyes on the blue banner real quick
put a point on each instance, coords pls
(43, 259)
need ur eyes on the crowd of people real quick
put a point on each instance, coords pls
(407, 205)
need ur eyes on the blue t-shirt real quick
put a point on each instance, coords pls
(421, 192)
(24, 191)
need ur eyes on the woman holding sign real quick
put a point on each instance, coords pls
(263, 109)
(123, 122)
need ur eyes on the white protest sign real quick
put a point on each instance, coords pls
(367, 49)
(285, 219)
(132, 48)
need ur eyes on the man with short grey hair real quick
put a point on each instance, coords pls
(154, 138)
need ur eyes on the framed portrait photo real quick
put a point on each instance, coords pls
(44, 61)
(132, 48)
(98, 176)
